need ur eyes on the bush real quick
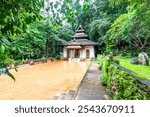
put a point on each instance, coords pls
(100, 60)
(106, 63)
(120, 84)
(116, 61)
(43, 60)
(58, 57)
(18, 62)
(126, 87)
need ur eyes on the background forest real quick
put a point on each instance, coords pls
(32, 29)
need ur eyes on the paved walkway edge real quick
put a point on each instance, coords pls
(90, 87)
(84, 77)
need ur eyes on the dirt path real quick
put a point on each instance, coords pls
(42, 81)
(91, 88)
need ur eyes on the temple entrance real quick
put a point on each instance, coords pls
(77, 53)
(87, 53)
(68, 53)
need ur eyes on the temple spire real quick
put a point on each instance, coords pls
(80, 27)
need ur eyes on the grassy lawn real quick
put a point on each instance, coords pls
(141, 71)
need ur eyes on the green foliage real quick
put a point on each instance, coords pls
(116, 61)
(105, 65)
(98, 20)
(21, 40)
(43, 59)
(67, 11)
(31, 44)
(97, 30)
(127, 87)
(100, 60)
(58, 57)
(41, 39)
(121, 86)
(131, 28)
(15, 15)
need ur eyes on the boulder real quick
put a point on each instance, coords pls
(143, 59)
(134, 61)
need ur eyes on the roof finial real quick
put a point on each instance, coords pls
(80, 27)
(74, 40)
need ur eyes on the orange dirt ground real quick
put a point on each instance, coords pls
(42, 81)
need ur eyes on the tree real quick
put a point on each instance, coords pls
(98, 20)
(15, 15)
(131, 27)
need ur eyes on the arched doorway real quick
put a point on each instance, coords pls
(77, 53)
(87, 53)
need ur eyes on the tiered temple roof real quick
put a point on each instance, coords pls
(79, 39)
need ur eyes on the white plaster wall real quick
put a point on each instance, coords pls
(65, 53)
(92, 51)
(83, 54)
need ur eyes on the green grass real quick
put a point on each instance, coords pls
(140, 70)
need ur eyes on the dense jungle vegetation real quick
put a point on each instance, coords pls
(31, 29)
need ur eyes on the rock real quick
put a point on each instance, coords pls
(134, 61)
(143, 59)
(111, 54)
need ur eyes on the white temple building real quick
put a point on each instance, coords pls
(79, 46)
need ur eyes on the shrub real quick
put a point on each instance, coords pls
(58, 57)
(26, 61)
(116, 61)
(127, 87)
(18, 62)
(43, 60)
(120, 84)
(105, 65)
(100, 60)
(92, 59)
